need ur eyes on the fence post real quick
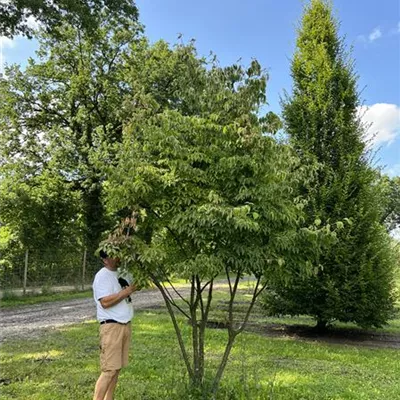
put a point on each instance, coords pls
(25, 271)
(84, 268)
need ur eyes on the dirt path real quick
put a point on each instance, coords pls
(32, 321)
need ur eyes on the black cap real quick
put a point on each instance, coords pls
(103, 254)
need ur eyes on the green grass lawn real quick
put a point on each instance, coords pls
(64, 365)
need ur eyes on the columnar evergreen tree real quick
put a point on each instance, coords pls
(354, 282)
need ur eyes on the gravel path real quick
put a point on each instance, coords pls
(32, 321)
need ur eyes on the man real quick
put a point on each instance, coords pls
(114, 312)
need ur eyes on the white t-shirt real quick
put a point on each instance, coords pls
(104, 284)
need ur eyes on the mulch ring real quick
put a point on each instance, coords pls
(342, 336)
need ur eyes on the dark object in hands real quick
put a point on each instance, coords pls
(124, 283)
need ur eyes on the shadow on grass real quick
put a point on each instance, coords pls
(334, 335)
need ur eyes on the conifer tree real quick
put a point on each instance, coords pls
(354, 278)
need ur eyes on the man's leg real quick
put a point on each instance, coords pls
(111, 387)
(111, 336)
(104, 382)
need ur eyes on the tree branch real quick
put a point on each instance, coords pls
(172, 301)
(176, 326)
(253, 300)
(229, 280)
(210, 281)
(175, 236)
(173, 287)
(209, 298)
(199, 296)
(231, 300)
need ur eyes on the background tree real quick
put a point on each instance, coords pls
(62, 111)
(204, 191)
(38, 211)
(355, 279)
(16, 15)
(391, 216)
(41, 215)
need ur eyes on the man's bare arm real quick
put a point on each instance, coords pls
(113, 299)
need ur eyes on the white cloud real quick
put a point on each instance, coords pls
(394, 31)
(32, 22)
(377, 33)
(382, 120)
(393, 170)
(395, 234)
(7, 42)
(374, 35)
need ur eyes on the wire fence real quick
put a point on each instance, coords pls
(30, 271)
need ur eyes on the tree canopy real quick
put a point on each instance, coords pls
(60, 113)
(21, 17)
(204, 190)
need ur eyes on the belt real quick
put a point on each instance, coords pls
(112, 321)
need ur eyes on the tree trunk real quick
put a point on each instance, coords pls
(322, 325)
(197, 336)
(197, 378)
(176, 327)
(201, 354)
(94, 216)
(224, 361)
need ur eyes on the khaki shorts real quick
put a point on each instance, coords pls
(115, 340)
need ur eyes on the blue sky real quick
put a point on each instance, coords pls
(266, 30)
